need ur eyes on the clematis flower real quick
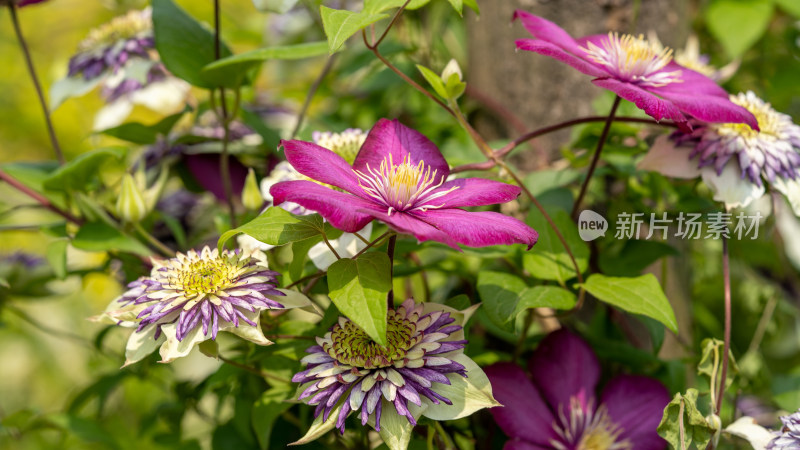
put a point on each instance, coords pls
(636, 70)
(555, 407)
(788, 438)
(120, 56)
(734, 160)
(421, 371)
(192, 297)
(399, 177)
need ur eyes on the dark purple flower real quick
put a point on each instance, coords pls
(22, 3)
(348, 365)
(636, 70)
(399, 177)
(555, 407)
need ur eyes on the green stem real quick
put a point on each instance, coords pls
(390, 253)
(32, 72)
(42, 200)
(596, 158)
(160, 246)
(726, 279)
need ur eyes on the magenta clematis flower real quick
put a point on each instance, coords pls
(637, 70)
(556, 407)
(399, 177)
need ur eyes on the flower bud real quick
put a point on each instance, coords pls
(251, 194)
(452, 68)
(131, 206)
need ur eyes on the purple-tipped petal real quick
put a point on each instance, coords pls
(321, 164)
(654, 106)
(339, 208)
(480, 229)
(476, 192)
(390, 137)
(564, 366)
(553, 51)
(524, 415)
(712, 109)
(636, 404)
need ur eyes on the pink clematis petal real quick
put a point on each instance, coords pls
(564, 366)
(321, 164)
(476, 192)
(408, 224)
(545, 30)
(712, 109)
(524, 416)
(552, 50)
(390, 137)
(480, 229)
(691, 81)
(654, 106)
(636, 404)
(516, 444)
(339, 208)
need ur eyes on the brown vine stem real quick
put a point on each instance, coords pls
(596, 158)
(726, 278)
(38, 197)
(32, 72)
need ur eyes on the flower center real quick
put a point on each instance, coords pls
(204, 276)
(587, 429)
(402, 186)
(132, 24)
(634, 59)
(770, 122)
(351, 345)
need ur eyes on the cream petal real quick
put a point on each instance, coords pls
(729, 187)
(669, 160)
(141, 344)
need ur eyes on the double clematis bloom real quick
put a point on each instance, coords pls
(788, 438)
(422, 371)
(734, 160)
(192, 297)
(399, 177)
(120, 56)
(637, 70)
(555, 407)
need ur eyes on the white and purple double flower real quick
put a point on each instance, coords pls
(192, 297)
(399, 177)
(422, 371)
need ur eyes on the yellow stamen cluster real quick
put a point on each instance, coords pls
(592, 429)
(769, 120)
(402, 186)
(634, 59)
(345, 144)
(210, 272)
(132, 24)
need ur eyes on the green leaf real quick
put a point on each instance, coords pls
(299, 256)
(339, 24)
(319, 427)
(88, 431)
(100, 237)
(790, 6)
(266, 409)
(549, 260)
(711, 361)
(237, 66)
(682, 412)
(359, 289)
(468, 394)
(434, 80)
(639, 295)
(542, 181)
(545, 297)
(458, 5)
(274, 6)
(504, 296)
(635, 256)
(31, 174)
(738, 24)
(473, 5)
(276, 226)
(82, 172)
(185, 46)
(57, 257)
